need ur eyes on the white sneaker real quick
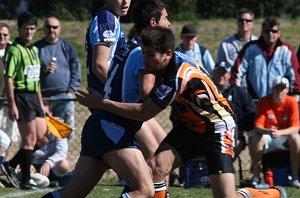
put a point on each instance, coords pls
(295, 183)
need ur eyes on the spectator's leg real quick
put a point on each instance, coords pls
(294, 142)
(256, 145)
(65, 110)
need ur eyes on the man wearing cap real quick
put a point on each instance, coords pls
(240, 101)
(190, 47)
(276, 128)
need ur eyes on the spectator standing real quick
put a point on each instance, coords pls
(276, 128)
(60, 71)
(25, 102)
(262, 60)
(229, 48)
(10, 127)
(190, 47)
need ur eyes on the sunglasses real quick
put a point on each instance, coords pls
(270, 30)
(245, 20)
(5, 35)
(52, 26)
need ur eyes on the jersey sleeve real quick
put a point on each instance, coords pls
(12, 59)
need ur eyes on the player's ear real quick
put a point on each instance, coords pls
(152, 22)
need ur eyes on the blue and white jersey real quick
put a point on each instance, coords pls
(122, 83)
(104, 29)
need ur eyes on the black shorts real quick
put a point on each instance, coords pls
(29, 106)
(190, 145)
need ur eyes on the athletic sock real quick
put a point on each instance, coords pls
(16, 159)
(257, 193)
(126, 189)
(25, 163)
(160, 190)
(125, 195)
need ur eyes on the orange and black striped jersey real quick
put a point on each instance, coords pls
(195, 99)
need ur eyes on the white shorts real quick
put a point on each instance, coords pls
(272, 144)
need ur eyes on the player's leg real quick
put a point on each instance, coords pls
(88, 170)
(130, 165)
(164, 161)
(150, 136)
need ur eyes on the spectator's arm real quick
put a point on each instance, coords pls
(75, 70)
(208, 61)
(61, 151)
(13, 110)
(288, 131)
(221, 56)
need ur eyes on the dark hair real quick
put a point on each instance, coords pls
(27, 18)
(159, 38)
(2, 25)
(144, 11)
(269, 23)
(244, 11)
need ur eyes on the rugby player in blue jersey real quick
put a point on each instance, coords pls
(107, 139)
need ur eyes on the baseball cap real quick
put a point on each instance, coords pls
(223, 65)
(280, 80)
(189, 30)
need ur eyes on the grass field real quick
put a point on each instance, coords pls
(107, 191)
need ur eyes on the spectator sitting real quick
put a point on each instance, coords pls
(240, 101)
(60, 71)
(51, 159)
(4, 145)
(276, 127)
(190, 47)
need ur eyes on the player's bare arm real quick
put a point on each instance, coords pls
(136, 111)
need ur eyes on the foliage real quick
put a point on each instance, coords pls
(180, 10)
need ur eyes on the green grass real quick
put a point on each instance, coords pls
(108, 191)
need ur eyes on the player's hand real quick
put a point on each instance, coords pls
(91, 99)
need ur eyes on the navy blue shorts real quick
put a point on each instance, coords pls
(100, 136)
(29, 106)
(190, 145)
